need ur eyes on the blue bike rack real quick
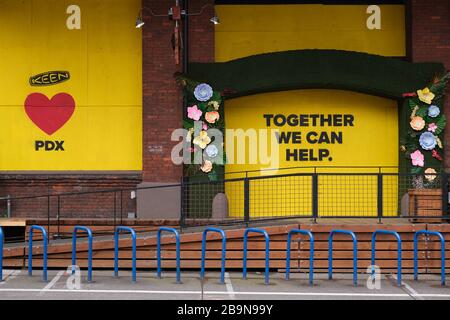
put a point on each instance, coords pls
(74, 249)
(311, 253)
(158, 250)
(30, 250)
(441, 238)
(266, 236)
(355, 254)
(399, 252)
(116, 250)
(1, 253)
(224, 250)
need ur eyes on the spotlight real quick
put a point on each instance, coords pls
(215, 20)
(139, 22)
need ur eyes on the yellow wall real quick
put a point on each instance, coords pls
(371, 141)
(104, 60)
(246, 30)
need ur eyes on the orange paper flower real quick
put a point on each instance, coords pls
(207, 166)
(430, 174)
(212, 116)
(417, 123)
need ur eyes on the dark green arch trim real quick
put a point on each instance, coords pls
(315, 69)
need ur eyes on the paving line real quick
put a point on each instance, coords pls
(53, 282)
(10, 274)
(410, 290)
(229, 285)
(255, 293)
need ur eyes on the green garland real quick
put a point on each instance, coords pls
(423, 140)
(210, 113)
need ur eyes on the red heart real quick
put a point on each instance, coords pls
(49, 115)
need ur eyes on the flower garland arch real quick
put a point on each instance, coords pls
(422, 141)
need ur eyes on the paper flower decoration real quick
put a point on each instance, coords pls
(427, 141)
(202, 140)
(212, 116)
(417, 123)
(425, 95)
(215, 104)
(432, 127)
(194, 113)
(433, 111)
(430, 174)
(212, 151)
(207, 166)
(189, 135)
(203, 92)
(417, 158)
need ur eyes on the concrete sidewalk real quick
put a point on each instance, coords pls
(18, 285)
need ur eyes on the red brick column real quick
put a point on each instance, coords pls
(430, 41)
(162, 100)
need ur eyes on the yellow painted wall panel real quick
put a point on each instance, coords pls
(104, 59)
(371, 141)
(254, 29)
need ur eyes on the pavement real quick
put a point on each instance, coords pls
(18, 285)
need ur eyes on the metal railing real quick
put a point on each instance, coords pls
(74, 249)
(355, 253)
(399, 251)
(302, 192)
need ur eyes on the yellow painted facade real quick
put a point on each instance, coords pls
(104, 59)
(245, 30)
(373, 139)
(370, 140)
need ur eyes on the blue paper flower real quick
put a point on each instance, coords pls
(203, 92)
(427, 141)
(212, 151)
(433, 111)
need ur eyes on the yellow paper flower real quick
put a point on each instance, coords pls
(207, 166)
(425, 95)
(417, 123)
(430, 174)
(215, 104)
(202, 140)
(439, 142)
(189, 134)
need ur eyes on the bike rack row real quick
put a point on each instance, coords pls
(224, 245)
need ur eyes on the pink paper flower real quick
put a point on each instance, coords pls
(194, 113)
(417, 158)
(432, 127)
(204, 126)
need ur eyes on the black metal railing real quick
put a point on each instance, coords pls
(316, 195)
(244, 197)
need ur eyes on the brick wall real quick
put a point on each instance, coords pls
(98, 205)
(430, 41)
